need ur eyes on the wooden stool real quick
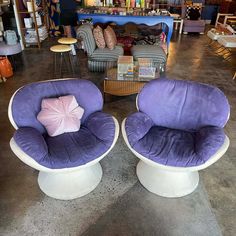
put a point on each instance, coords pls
(69, 41)
(63, 51)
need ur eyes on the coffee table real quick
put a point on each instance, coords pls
(127, 86)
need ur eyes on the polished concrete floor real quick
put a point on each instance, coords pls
(120, 205)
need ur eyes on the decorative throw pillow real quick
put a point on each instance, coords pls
(60, 115)
(110, 37)
(98, 36)
(112, 33)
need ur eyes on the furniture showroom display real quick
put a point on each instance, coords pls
(177, 131)
(32, 21)
(98, 59)
(123, 87)
(68, 164)
(122, 20)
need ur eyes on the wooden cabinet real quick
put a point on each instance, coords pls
(33, 21)
(228, 7)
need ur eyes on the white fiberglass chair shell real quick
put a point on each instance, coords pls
(177, 131)
(68, 164)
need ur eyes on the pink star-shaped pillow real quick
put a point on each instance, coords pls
(60, 115)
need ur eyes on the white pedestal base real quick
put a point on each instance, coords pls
(167, 183)
(70, 185)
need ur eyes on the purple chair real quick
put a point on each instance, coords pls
(177, 131)
(68, 164)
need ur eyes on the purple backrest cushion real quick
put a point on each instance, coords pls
(26, 103)
(183, 105)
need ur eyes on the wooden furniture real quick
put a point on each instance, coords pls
(39, 31)
(69, 41)
(227, 6)
(122, 20)
(63, 51)
(128, 86)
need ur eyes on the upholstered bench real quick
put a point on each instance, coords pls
(194, 26)
(155, 52)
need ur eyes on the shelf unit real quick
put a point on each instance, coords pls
(24, 13)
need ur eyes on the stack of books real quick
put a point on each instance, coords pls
(125, 67)
(146, 69)
(31, 36)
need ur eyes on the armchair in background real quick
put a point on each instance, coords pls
(98, 58)
(226, 20)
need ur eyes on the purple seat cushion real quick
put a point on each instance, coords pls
(172, 147)
(26, 103)
(183, 105)
(67, 150)
(194, 23)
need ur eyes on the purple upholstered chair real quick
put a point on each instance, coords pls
(68, 164)
(177, 131)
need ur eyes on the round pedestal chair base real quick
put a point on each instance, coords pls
(167, 183)
(70, 185)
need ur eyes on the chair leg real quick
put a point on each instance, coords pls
(73, 51)
(71, 64)
(61, 59)
(234, 76)
(72, 184)
(2, 79)
(13, 62)
(220, 49)
(54, 64)
(167, 183)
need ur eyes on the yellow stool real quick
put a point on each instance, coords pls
(69, 41)
(63, 51)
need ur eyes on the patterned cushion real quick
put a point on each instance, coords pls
(98, 36)
(193, 12)
(110, 37)
(155, 52)
(107, 54)
(85, 33)
(194, 23)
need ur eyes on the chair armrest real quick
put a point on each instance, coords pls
(219, 15)
(137, 126)
(102, 125)
(31, 142)
(208, 140)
